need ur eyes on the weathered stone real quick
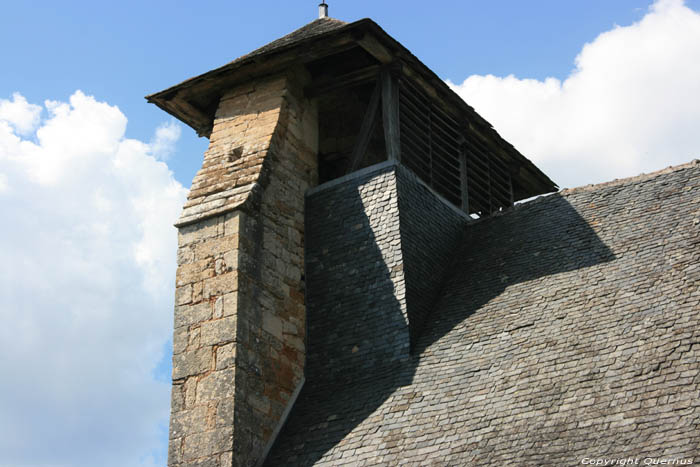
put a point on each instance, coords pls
(232, 283)
(217, 385)
(219, 308)
(220, 331)
(220, 285)
(193, 362)
(188, 421)
(183, 295)
(225, 356)
(186, 315)
(180, 339)
(208, 443)
(224, 412)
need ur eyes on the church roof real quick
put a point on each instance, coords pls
(568, 328)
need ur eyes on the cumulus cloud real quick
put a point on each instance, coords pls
(631, 105)
(19, 114)
(166, 136)
(88, 259)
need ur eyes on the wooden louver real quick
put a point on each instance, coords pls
(459, 168)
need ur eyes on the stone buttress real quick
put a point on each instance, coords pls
(239, 316)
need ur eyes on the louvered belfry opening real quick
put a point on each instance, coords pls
(388, 116)
(459, 168)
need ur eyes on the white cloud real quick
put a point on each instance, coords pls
(19, 114)
(631, 105)
(167, 135)
(86, 281)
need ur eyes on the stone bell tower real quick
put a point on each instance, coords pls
(329, 100)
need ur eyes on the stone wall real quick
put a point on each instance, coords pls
(239, 320)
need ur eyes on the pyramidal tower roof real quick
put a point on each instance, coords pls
(308, 31)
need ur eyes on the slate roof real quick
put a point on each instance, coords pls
(306, 32)
(569, 327)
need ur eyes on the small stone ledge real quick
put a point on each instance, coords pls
(238, 204)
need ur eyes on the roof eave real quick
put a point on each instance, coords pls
(177, 100)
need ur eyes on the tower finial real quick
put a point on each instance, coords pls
(323, 10)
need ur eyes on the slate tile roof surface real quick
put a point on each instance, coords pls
(314, 28)
(569, 327)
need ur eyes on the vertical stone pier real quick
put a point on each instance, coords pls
(239, 350)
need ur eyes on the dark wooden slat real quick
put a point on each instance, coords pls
(452, 130)
(477, 167)
(447, 176)
(417, 120)
(445, 140)
(420, 133)
(440, 182)
(446, 158)
(416, 104)
(477, 183)
(414, 110)
(464, 179)
(416, 155)
(369, 123)
(415, 139)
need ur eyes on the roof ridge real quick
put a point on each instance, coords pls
(635, 178)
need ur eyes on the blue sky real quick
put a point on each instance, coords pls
(92, 177)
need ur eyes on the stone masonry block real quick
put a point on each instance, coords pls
(220, 285)
(194, 272)
(183, 295)
(192, 363)
(273, 324)
(217, 385)
(208, 443)
(186, 315)
(208, 228)
(215, 247)
(180, 339)
(225, 356)
(232, 222)
(224, 412)
(188, 421)
(220, 331)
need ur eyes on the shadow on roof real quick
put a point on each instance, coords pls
(348, 391)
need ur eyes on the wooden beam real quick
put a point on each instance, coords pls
(347, 80)
(201, 122)
(368, 125)
(376, 49)
(390, 115)
(464, 179)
